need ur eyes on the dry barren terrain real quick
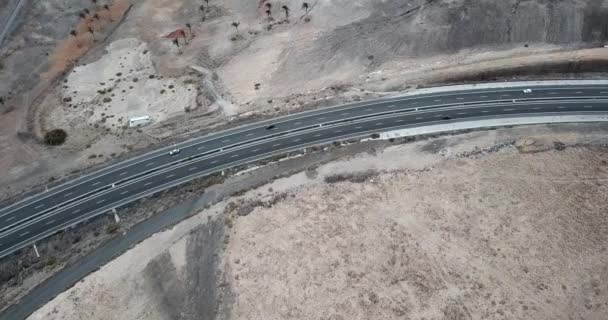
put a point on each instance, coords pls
(119, 64)
(506, 224)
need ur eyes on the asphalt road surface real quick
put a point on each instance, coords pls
(32, 219)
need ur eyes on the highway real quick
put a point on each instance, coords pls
(32, 219)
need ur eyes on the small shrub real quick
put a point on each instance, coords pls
(357, 177)
(55, 137)
(51, 261)
(112, 228)
(76, 239)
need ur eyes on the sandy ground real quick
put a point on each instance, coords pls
(338, 51)
(487, 225)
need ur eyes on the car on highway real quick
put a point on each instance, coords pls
(527, 90)
(174, 152)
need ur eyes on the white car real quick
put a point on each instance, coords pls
(174, 152)
(527, 90)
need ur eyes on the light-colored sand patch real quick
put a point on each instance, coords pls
(178, 254)
(480, 238)
(124, 84)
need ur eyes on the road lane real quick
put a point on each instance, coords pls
(112, 198)
(100, 180)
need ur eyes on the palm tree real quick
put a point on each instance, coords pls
(305, 6)
(268, 5)
(236, 24)
(92, 32)
(96, 16)
(73, 33)
(183, 34)
(87, 11)
(268, 12)
(202, 9)
(107, 8)
(176, 43)
(286, 9)
(82, 15)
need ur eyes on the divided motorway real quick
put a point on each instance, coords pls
(32, 219)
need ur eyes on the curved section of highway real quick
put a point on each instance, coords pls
(32, 219)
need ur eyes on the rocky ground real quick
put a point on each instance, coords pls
(119, 65)
(499, 224)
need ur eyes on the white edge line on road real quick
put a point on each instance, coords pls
(402, 97)
(383, 115)
(494, 87)
(590, 117)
